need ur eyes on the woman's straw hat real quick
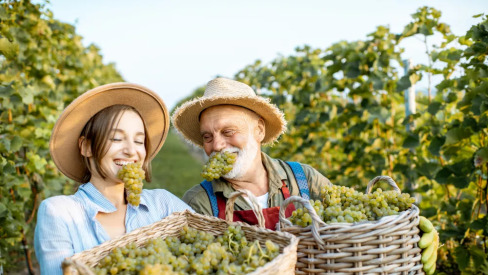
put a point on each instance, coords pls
(223, 91)
(64, 139)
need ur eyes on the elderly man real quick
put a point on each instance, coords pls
(231, 116)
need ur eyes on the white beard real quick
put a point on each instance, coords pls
(245, 158)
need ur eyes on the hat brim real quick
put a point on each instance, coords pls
(186, 118)
(63, 145)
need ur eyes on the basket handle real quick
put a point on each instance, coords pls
(316, 221)
(256, 208)
(388, 180)
(71, 267)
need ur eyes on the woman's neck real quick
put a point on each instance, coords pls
(114, 192)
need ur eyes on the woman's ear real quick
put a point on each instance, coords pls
(85, 148)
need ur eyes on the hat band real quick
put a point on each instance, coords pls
(200, 114)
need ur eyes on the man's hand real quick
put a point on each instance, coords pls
(429, 242)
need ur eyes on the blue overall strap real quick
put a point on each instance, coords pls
(211, 196)
(301, 179)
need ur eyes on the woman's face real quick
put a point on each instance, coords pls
(125, 145)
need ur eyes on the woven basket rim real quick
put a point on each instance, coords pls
(80, 259)
(387, 245)
(341, 225)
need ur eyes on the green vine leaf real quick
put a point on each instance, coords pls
(456, 135)
(8, 49)
(15, 144)
(478, 255)
(411, 141)
(462, 257)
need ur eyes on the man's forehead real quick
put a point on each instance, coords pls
(226, 116)
(226, 110)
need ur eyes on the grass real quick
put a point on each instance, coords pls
(174, 168)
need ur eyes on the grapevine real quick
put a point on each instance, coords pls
(43, 66)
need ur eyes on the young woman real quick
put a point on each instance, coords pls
(98, 133)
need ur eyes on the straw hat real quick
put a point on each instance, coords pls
(64, 139)
(223, 91)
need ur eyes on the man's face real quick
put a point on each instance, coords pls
(234, 129)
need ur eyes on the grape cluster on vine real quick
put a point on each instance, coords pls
(219, 164)
(192, 252)
(132, 175)
(341, 204)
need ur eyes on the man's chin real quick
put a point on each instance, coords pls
(233, 175)
(229, 176)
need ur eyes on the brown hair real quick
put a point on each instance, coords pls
(97, 132)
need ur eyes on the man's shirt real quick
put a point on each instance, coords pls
(67, 225)
(278, 172)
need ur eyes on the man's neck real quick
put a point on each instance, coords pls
(255, 179)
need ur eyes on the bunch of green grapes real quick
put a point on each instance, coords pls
(132, 175)
(192, 252)
(219, 164)
(302, 218)
(343, 204)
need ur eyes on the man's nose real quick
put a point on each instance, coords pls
(218, 144)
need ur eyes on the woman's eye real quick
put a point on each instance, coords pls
(116, 139)
(139, 142)
(229, 132)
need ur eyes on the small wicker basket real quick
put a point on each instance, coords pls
(386, 246)
(284, 263)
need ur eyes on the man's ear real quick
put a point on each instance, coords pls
(260, 130)
(85, 148)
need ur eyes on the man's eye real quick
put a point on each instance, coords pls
(229, 132)
(207, 138)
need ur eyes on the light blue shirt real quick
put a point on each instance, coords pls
(67, 225)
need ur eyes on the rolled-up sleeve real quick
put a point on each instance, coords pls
(315, 181)
(52, 242)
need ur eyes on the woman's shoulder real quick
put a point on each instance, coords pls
(163, 198)
(157, 195)
(59, 204)
(60, 199)
(155, 192)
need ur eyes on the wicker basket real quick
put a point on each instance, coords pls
(386, 246)
(284, 263)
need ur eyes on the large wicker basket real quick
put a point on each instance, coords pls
(386, 246)
(284, 263)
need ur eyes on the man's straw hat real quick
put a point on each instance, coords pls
(64, 139)
(223, 91)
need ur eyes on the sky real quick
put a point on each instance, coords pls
(174, 47)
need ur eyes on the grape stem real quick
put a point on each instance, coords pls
(263, 255)
(250, 253)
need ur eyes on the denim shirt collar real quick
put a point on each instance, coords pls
(95, 201)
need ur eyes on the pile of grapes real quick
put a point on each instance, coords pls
(132, 175)
(193, 252)
(218, 165)
(344, 204)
